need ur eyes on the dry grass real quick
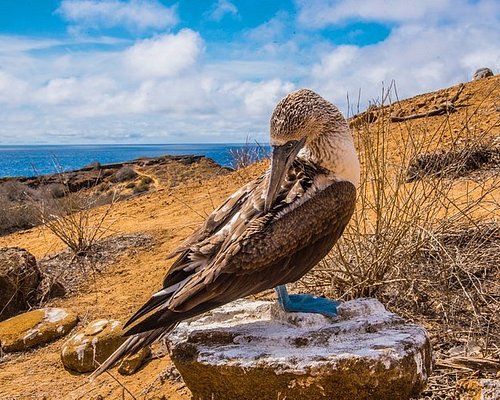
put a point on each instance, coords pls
(23, 207)
(76, 220)
(455, 163)
(15, 212)
(247, 154)
(429, 246)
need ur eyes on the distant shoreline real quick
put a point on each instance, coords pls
(97, 184)
(26, 161)
(109, 166)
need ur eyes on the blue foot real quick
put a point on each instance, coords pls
(306, 303)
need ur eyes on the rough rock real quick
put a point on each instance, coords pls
(125, 173)
(479, 389)
(253, 350)
(482, 73)
(35, 328)
(19, 278)
(131, 364)
(86, 349)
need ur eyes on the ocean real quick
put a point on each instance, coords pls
(27, 160)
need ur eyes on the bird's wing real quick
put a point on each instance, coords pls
(225, 224)
(273, 249)
(263, 250)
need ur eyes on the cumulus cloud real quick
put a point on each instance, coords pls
(74, 91)
(222, 8)
(159, 88)
(12, 89)
(175, 87)
(258, 98)
(420, 54)
(135, 15)
(164, 55)
(320, 13)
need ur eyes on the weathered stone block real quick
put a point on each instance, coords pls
(253, 350)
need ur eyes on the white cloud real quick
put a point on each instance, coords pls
(135, 15)
(164, 55)
(75, 91)
(160, 89)
(418, 59)
(320, 13)
(259, 98)
(170, 87)
(12, 89)
(221, 9)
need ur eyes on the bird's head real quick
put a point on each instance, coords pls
(298, 121)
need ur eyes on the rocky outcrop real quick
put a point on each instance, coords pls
(482, 73)
(35, 328)
(19, 279)
(253, 350)
(88, 348)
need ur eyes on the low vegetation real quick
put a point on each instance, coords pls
(15, 213)
(247, 154)
(425, 236)
(75, 220)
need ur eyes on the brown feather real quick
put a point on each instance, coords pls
(242, 249)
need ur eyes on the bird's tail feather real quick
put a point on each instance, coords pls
(131, 345)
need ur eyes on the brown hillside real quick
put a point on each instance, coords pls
(169, 214)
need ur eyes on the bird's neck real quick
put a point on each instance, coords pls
(334, 152)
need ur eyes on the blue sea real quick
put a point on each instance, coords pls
(47, 159)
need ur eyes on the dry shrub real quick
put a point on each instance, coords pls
(395, 219)
(454, 163)
(125, 173)
(141, 187)
(72, 271)
(428, 249)
(15, 210)
(76, 218)
(247, 154)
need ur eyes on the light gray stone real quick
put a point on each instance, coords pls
(482, 73)
(252, 349)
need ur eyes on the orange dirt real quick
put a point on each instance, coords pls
(170, 215)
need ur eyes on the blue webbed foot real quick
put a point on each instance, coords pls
(306, 303)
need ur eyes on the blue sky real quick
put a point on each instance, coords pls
(148, 71)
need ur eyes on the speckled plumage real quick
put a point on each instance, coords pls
(243, 247)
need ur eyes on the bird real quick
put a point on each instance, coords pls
(268, 233)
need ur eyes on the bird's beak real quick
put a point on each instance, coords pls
(282, 158)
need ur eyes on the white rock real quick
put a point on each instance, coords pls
(252, 349)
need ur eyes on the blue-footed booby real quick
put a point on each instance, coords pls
(268, 233)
